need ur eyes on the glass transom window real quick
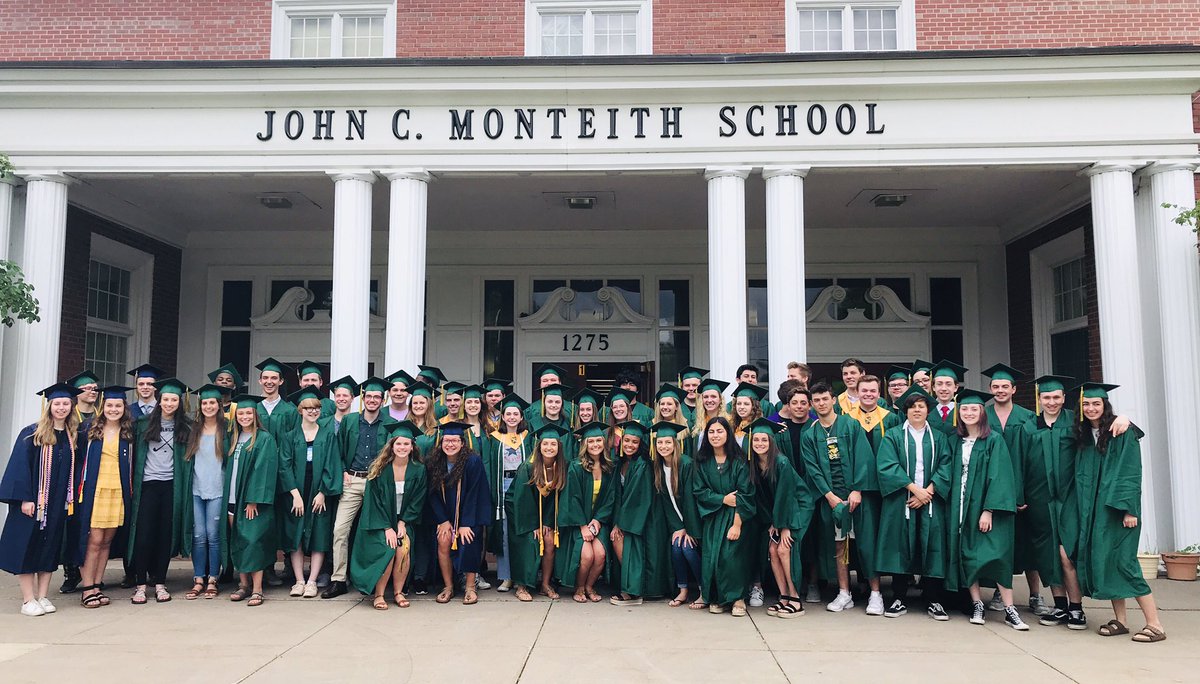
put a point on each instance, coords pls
(566, 28)
(327, 29)
(870, 25)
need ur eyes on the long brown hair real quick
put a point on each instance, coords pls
(96, 431)
(428, 422)
(537, 475)
(386, 456)
(193, 440)
(658, 461)
(739, 424)
(585, 459)
(43, 432)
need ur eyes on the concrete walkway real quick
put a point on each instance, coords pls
(501, 640)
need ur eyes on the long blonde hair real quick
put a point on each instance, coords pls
(428, 423)
(700, 417)
(678, 418)
(386, 456)
(43, 433)
(100, 421)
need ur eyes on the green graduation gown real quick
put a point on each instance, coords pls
(912, 541)
(370, 553)
(646, 567)
(1047, 482)
(579, 509)
(347, 437)
(856, 461)
(787, 505)
(181, 486)
(252, 543)
(975, 556)
(281, 420)
(527, 512)
(492, 454)
(725, 566)
(311, 532)
(642, 414)
(1108, 485)
(947, 427)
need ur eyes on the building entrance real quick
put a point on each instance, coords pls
(601, 376)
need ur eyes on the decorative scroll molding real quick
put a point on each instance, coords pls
(892, 310)
(558, 312)
(287, 315)
(896, 335)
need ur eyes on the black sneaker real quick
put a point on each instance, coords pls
(937, 612)
(1058, 617)
(419, 587)
(1076, 620)
(977, 609)
(71, 579)
(896, 609)
(1013, 619)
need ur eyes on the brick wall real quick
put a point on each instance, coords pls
(462, 28)
(1020, 295)
(164, 301)
(714, 26)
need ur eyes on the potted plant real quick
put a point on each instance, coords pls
(1183, 564)
(1149, 563)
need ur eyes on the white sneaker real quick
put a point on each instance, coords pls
(482, 584)
(996, 604)
(813, 595)
(506, 585)
(756, 597)
(843, 602)
(32, 608)
(875, 604)
(47, 606)
(1038, 606)
(1013, 619)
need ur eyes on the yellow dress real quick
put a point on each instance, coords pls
(108, 507)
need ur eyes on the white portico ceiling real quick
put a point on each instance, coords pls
(172, 207)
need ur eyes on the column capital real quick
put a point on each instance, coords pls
(1189, 165)
(10, 179)
(1116, 165)
(727, 172)
(416, 174)
(365, 175)
(795, 170)
(48, 176)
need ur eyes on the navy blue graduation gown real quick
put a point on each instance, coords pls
(87, 465)
(474, 511)
(26, 546)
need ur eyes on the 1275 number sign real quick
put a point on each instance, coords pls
(585, 342)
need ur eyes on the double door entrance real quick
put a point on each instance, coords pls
(600, 376)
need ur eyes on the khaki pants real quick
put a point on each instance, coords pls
(347, 510)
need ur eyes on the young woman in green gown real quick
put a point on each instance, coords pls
(251, 478)
(533, 505)
(310, 467)
(785, 506)
(673, 475)
(636, 523)
(587, 514)
(725, 499)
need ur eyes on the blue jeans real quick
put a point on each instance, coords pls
(683, 559)
(206, 537)
(503, 564)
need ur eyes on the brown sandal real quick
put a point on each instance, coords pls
(594, 596)
(522, 594)
(379, 603)
(470, 598)
(211, 591)
(401, 602)
(197, 589)
(1112, 628)
(445, 595)
(580, 597)
(256, 599)
(1150, 635)
(239, 594)
(548, 592)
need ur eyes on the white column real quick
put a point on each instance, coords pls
(786, 325)
(1118, 301)
(406, 269)
(1177, 280)
(6, 203)
(727, 326)
(34, 346)
(351, 273)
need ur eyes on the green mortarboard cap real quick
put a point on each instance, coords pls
(420, 389)
(496, 385)
(618, 394)
(551, 431)
(271, 365)
(374, 384)
(1096, 390)
(745, 389)
(428, 373)
(921, 365)
(1053, 383)
(231, 370)
(898, 372)
(915, 391)
(588, 396)
(691, 372)
(1002, 371)
(307, 367)
(453, 427)
(551, 369)
(172, 386)
(453, 387)
(712, 384)
(669, 390)
(590, 429)
(114, 392)
(146, 371)
(60, 390)
(305, 393)
(401, 376)
(766, 427)
(948, 369)
(246, 399)
(513, 399)
(632, 427)
(346, 382)
(664, 428)
(970, 396)
(402, 428)
(472, 392)
(84, 378)
(841, 516)
(556, 389)
(211, 391)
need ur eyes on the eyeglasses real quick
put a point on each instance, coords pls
(312, 408)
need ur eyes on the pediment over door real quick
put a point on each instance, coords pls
(886, 332)
(287, 334)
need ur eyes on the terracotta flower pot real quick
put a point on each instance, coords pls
(1149, 563)
(1181, 566)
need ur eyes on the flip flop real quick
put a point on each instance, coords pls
(675, 602)
(445, 595)
(594, 597)
(549, 593)
(470, 598)
(1150, 635)
(580, 597)
(1112, 628)
(698, 604)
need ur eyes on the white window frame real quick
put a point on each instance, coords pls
(283, 11)
(1042, 262)
(141, 282)
(535, 9)
(906, 21)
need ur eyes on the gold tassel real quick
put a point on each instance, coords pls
(541, 538)
(1037, 400)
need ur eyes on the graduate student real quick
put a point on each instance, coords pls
(85, 409)
(711, 405)
(794, 416)
(638, 534)
(589, 407)
(747, 374)
(689, 382)
(39, 488)
(673, 480)
(105, 502)
(344, 389)
(422, 411)
(436, 379)
(452, 399)
(310, 471)
(553, 408)
(921, 370)
(840, 466)
(227, 376)
(548, 375)
(360, 439)
(471, 413)
(914, 479)
(494, 391)
(870, 414)
(982, 507)
(630, 381)
(619, 407)
(587, 508)
(897, 379)
(785, 505)
(200, 511)
(251, 478)
(847, 401)
(1108, 489)
(398, 394)
(725, 501)
(533, 505)
(160, 442)
(310, 374)
(393, 502)
(747, 408)
(144, 377)
(276, 414)
(459, 505)
(89, 391)
(506, 448)
(947, 377)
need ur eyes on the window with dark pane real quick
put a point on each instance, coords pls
(498, 303)
(945, 301)
(947, 344)
(498, 353)
(236, 302)
(674, 354)
(542, 290)
(901, 286)
(631, 290)
(674, 305)
(813, 288)
(235, 349)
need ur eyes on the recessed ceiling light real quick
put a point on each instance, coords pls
(580, 202)
(889, 200)
(275, 202)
